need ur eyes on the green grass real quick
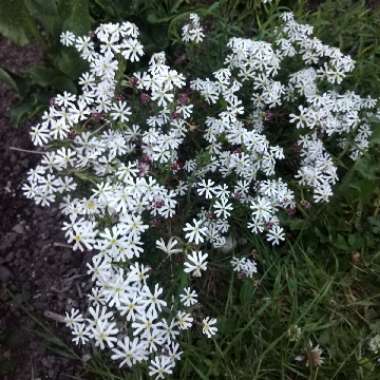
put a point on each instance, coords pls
(331, 305)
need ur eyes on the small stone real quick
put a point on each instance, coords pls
(18, 228)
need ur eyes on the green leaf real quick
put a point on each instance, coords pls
(375, 137)
(46, 7)
(106, 6)
(246, 293)
(154, 19)
(16, 23)
(51, 78)
(69, 62)
(296, 224)
(6, 78)
(19, 112)
(341, 243)
(46, 12)
(86, 177)
(198, 371)
(366, 170)
(76, 16)
(356, 241)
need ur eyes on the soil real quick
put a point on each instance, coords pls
(374, 4)
(38, 276)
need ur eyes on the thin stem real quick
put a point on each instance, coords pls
(100, 128)
(26, 150)
(63, 245)
(54, 316)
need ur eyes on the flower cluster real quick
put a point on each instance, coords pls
(374, 344)
(131, 164)
(245, 266)
(193, 31)
(105, 171)
(317, 111)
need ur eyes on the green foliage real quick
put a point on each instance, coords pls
(16, 22)
(354, 28)
(6, 78)
(24, 21)
(326, 279)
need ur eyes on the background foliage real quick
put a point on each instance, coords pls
(325, 279)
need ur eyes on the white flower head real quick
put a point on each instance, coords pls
(195, 263)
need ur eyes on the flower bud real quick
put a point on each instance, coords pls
(144, 98)
(183, 99)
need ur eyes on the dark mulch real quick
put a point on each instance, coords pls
(374, 4)
(36, 275)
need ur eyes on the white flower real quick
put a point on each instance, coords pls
(209, 327)
(130, 351)
(184, 320)
(40, 134)
(73, 317)
(262, 209)
(314, 356)
(196, 263)
(131, 49)
(104, 333)
(223, 208)
(151, 301)
(206, 188)
(81, 333)
(120, 111)
(67, 38)
(374, 344)
(244, 265)
(82, 235)
(160, 367)
(174, 352)
(189, 297)
(195, 233)
(275, 234)
(193, 32)
(170, 248)
(130, 306)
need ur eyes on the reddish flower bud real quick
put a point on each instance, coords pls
(143, 168)
(156, 222)
(183, 99)
(181, 59)
(133, 82)
(176, 166)
(175, 115)
(210, 215)
(97, 116)
(158, 203)
(268, 116)
(305, 203)
(71, 135)
(144, 98)
(146, 159)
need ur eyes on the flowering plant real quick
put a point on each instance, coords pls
(154, 157)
